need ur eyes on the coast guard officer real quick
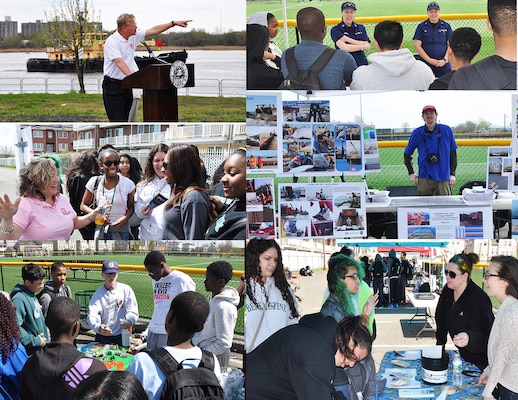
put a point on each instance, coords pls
(350, 36)
(431, 40)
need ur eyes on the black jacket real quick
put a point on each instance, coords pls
(230, 224)
(297, 362)
(53, 372)
(471, 313)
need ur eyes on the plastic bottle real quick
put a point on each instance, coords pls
(125, 336)
(456, 367)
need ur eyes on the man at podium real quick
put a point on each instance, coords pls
(119, 53)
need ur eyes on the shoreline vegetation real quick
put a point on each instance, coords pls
(154, 48)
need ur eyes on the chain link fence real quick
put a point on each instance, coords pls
(409, 22)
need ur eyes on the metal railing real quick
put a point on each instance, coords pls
(93, 85)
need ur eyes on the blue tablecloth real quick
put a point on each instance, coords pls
(468, 390)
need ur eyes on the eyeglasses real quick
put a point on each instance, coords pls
(165, 165)
(353, 276)
(110, 163)
(487, 274)
(452, 274)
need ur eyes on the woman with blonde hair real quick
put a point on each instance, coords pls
(186, 214)
(42, 212)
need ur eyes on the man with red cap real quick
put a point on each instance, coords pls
(437, 158)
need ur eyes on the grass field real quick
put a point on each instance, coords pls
(366, 8)
(382, 8)
(138, 280)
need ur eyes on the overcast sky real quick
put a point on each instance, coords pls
(393, 109)
(212, 16)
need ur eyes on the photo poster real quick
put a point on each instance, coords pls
(514, 219)
(314, 210)
(312, 146)
(499, 168)
(260, 208)
(514, 142)
(262, 132)
(371, 150)
(467, 222)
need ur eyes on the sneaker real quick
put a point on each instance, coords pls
(391, 305)
(396, 305)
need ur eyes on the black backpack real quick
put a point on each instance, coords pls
(188, 383)
(307, 79)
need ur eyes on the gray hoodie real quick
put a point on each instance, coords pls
(218, 332)
(392, 70)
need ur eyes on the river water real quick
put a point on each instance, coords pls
(216, 72)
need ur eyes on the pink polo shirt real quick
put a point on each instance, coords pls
(41, 221)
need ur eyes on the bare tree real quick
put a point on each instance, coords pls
(68, 22)
(6, 151)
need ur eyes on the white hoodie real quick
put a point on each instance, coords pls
(392, 70)
(218, 332)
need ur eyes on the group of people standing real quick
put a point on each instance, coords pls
(40, 323)
(110, 198)
(440, 52)
(276, 335)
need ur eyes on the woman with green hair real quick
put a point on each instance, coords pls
(349, 295)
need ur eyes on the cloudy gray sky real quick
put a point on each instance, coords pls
(212, 16)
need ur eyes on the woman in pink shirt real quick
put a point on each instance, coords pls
(41, 213)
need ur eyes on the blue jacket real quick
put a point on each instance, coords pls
(431, 143)
(10, 373)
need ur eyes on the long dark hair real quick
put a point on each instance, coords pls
(9, 330)
(135, 171)
(184, 165)
(254, 249)
(509, 272)
(149, 171)
(86, 164)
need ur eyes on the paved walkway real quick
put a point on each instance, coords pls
(388, 320)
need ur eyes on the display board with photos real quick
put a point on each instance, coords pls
(499, 168)
(439, 222)
(260, 208)
(312, 210)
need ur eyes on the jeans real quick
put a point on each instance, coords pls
(506, 394)
(117, 339)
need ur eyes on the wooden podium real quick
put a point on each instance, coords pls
(160, 101)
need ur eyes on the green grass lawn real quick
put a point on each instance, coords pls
(138, 280)
(378, 8)
(75, 107)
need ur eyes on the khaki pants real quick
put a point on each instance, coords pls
(429, 187)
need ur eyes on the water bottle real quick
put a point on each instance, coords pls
(456, 366)
(125, 336)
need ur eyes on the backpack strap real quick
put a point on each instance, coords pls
(207, 360)
(493, 76)
(322, 61)
(164, 360)
(291, 64)
(317, 65)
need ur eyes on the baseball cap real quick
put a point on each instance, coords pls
(348, 4)
(109, 267)
(433, 4)
(429, 108)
